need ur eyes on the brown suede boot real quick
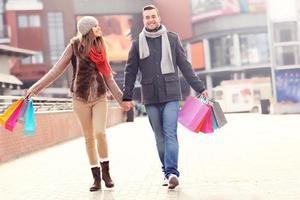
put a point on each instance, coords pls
(105, 174)
(97, 179)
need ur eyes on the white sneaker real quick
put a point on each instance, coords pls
(173, 181)
(165, 182)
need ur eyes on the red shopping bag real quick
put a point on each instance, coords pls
(192, 113)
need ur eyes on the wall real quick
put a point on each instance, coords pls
(109, 6)
(5, 64)
(230, 23)
(67, 8)
(176, 16)
(29, 38)
(50, 131)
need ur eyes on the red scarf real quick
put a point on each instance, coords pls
(100, 59)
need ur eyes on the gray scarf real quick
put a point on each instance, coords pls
(166, 64)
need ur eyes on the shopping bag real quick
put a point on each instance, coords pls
(29, 124)
(215, 125)
(204, 120)
(197, 130)
(7, 113)
(192, 113)
(219, 114)
(23, 110)
(12, 120)
(207, 126)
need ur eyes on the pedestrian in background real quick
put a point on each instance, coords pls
(158, 54)
(92, 76)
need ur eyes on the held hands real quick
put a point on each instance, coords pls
(127, 105)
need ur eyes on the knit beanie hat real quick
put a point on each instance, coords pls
(86, 23)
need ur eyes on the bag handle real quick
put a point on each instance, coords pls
(205, 99)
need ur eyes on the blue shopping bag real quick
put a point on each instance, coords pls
(29, 125)
(215, 125)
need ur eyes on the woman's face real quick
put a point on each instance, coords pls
(97, 31)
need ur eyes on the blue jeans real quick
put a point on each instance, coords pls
(163, 120)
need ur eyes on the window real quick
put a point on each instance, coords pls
(287, 55)
(35, 59)
(38, 58)
(285, 32)
(34, 21)
(56, 35)
(26, 60)
(235, 98)
(23, 21)
(29, 21)
(254, 48)
(221, 51)
(197, 54)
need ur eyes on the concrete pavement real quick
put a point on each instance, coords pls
(254, 157)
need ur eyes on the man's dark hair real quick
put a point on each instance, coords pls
(151, 7)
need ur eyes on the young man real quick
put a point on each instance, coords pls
(158, 54)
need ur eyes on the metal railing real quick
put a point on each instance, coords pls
(45, 104)
(41, 104)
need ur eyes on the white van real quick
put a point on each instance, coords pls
(243, 95)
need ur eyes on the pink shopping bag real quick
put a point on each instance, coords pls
(12, 120)
(192, 113)
(208, 126)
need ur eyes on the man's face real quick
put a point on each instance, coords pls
(151, 19)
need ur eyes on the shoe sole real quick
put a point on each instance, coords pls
(173, 183)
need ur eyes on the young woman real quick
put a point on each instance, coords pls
(92, 75)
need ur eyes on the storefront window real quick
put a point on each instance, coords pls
(285, 32)
(221, 51)
(287, 55)
(254, 48)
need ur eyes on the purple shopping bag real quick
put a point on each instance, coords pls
(192, 113)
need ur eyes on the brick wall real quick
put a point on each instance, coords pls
(52, 128)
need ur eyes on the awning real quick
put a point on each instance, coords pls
(15, 51)
(8, 78)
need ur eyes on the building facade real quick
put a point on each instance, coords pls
(224, 39)
(285, 55)
(8, 55)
